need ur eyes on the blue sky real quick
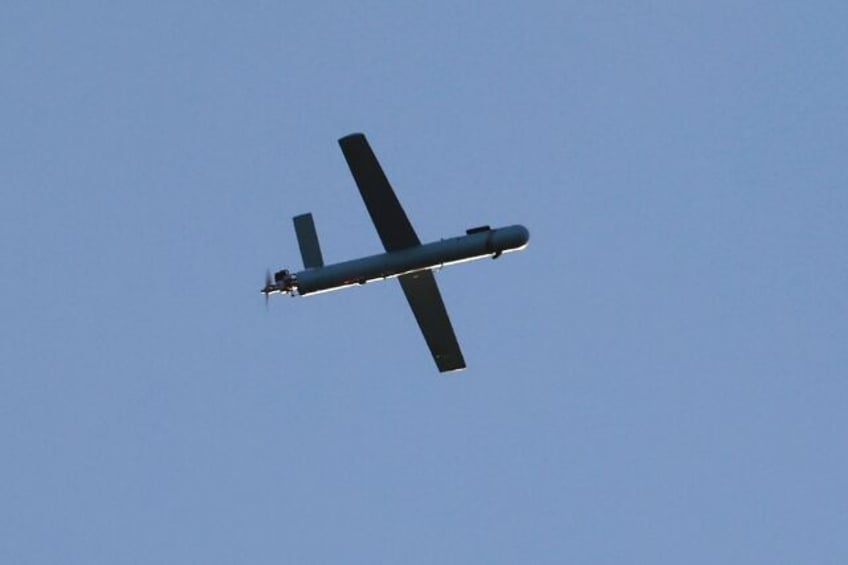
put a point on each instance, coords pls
(658, 378)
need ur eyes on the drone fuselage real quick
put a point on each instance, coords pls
(476, 244)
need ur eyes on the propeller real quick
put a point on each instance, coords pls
(265, 290)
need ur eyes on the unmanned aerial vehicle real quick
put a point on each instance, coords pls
(406, 258)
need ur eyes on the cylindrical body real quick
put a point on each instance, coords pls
(427, 256)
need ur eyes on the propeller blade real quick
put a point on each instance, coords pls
(265, 290)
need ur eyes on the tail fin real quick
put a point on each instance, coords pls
(307, 239)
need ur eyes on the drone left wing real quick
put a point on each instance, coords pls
(424, 298)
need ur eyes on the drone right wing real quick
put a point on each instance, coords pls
(383, 206)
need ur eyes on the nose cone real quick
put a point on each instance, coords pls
(523, 235)
(513, 237)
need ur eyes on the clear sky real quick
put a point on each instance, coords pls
(660, 377)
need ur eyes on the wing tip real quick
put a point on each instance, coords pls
(448, 364)
(351, 137)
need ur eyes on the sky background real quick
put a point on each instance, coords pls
(660, 377)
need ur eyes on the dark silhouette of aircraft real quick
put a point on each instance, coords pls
(405, 258)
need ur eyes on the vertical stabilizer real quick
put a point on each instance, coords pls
(307, 239)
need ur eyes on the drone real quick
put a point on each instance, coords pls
(405, 257)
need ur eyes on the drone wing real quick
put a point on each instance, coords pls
(386, 212)
(396, 233)
(424, 298)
